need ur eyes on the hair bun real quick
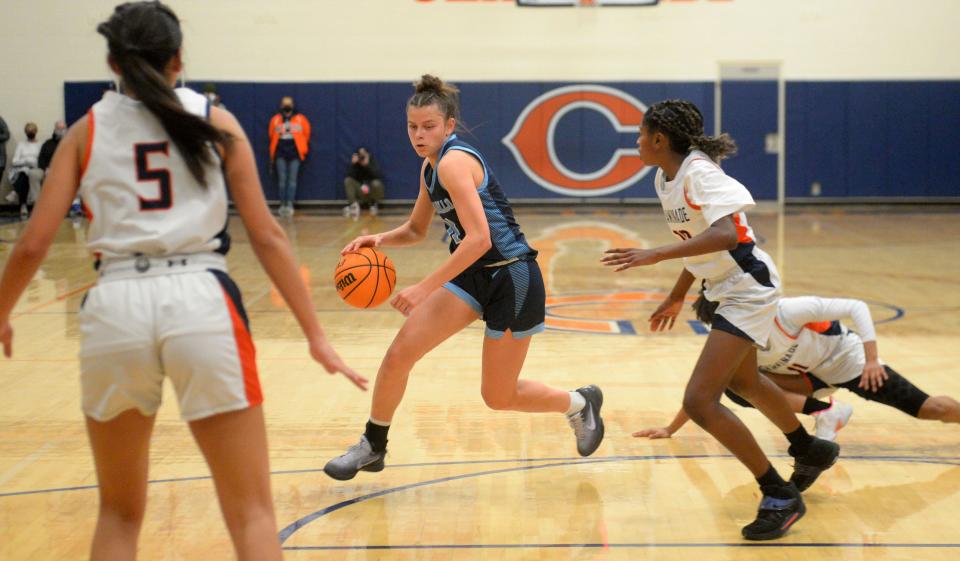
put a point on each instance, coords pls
(429, 83)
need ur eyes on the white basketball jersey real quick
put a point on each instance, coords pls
(698, 196)
(798, 344)
(139, 194)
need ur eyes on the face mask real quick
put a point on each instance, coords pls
(31, 135)
(288, 109)
(59, 133)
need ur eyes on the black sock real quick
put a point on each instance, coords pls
(812, 405)
(771, 478)
(800, 441)
(377, 436)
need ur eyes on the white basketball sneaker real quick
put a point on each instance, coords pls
(830, 421)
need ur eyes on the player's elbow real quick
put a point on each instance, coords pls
(417, 233)
(32, 249)
(727, 236)
(732, 241)
(723, 232)
(481, 242)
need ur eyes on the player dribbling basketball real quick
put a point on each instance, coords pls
(491, 273)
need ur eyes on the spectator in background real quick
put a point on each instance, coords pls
(47, 151)
(210, 92)
(24, 172)
(4, 137)
(289, 144)
(50, 146)
(364, 184)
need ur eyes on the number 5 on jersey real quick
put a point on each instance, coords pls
(160, 175)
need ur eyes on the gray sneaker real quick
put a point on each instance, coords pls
(587, 424)
(359, 457)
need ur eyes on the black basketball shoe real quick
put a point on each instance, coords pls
(780, 508)
(819, 457)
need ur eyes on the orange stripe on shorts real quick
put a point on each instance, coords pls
(248, 355)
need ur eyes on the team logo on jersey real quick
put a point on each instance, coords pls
(533, 140)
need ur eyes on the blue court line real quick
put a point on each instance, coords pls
(623, 546)
(898, 312)
(932, 460)
(298, 524)
(291, 529)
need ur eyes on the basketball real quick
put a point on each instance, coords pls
(365, 278)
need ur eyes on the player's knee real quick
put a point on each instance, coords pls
(697, 407)
(496, 399)
(935, 408)
(126, 512)
(399, 358)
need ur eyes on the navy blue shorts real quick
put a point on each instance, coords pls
(507, 297)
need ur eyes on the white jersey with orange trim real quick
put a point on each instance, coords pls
(699, 195)
(138, 192)
(808, 337)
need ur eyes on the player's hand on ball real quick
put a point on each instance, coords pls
(372, 240)
(665, 315)
(653, 434)
(322, 352)
(624, 258)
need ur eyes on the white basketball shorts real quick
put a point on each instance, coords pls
(747, 299)
(183, 322)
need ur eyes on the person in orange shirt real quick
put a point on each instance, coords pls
(289, 144)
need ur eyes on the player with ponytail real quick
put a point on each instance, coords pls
(491, 273)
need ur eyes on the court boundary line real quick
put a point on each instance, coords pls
(300, 523)
(675, 545)
(931, 460)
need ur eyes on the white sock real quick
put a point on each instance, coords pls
(379, 423)
(577, 403)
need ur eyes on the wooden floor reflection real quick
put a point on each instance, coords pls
(464, 482)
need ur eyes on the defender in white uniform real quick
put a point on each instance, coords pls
(148, 166)
(810, 353)
(704, 209)
(164, 304)
(807, 336)
(744, 279)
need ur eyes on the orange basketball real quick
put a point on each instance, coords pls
(365, 278)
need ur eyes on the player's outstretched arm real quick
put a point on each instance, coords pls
(271, 245)
(720, 236)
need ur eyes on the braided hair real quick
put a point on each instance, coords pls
(142, 38)
(682, 123)
(431, 90)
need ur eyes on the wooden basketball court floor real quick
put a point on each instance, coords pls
(466, 483)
